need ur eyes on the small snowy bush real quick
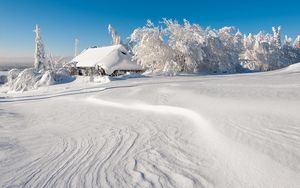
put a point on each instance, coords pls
(26, 80)
(29, 79)
(62, 75)
(47, 79)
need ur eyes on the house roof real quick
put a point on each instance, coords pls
(109, 58)
(92, 56)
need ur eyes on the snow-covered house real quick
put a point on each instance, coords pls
(109, 60)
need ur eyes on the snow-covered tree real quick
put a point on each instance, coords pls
(248, 41)
(116, 39)
(187, 41)
(214, 50)
(173, 47)
(276, 33)
(297, 42)
(232, 46)
(288, 40)
(238, 41)
(47, 70)
(39, 55)
(149, 49)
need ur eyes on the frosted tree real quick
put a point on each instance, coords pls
(263, 50)
(296, 47)
(246, 56)
(116, 39)
(297, 42)
(290, 53)
(187, 41)
(214, 51)
(149, 49)
(172, 47)
(287, 40)
(238, 40)
(232, 46)
(39, 55)
(276, 33)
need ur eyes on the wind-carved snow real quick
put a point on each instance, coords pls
(184, 176)
(186, 131)
(118, 157)
(229, 155)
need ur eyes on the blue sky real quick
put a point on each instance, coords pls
(64, 20)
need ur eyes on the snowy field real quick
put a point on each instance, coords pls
(238, 130)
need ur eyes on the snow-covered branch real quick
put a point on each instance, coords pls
(174, 47)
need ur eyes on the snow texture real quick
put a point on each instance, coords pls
(238, 130)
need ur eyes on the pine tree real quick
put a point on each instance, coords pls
(39, 55)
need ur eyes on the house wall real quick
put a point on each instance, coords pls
(86, 71)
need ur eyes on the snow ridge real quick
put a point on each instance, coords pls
(227, 153)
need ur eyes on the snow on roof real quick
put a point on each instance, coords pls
(92, 56)
(110, 58)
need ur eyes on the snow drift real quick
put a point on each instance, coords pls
(30, 79)
(234, 131)
(295, 68)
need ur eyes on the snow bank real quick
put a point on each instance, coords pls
(129, 75)
(293, 68)
(101, 79)
(46, 80)
(30, 79)
(63, 75)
